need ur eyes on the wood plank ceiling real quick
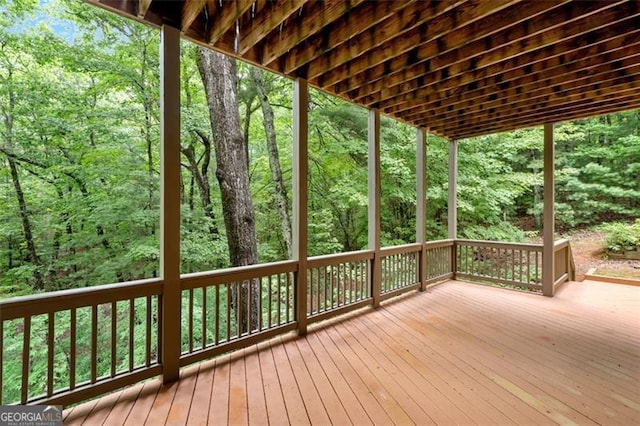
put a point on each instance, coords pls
(460, 68)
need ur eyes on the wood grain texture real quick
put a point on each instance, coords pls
(455, 67)
(456, 353)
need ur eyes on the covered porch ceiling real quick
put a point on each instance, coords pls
(460, 68)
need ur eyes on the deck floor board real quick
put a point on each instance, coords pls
(457, 353)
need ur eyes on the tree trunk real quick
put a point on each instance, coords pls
(32, 255)
(201, 177)
(218, 74)
(282, 201)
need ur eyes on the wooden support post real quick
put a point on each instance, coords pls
(300, 196)
(421, 204)
(452, 207)
(374, 203)
(170, 201)
(548, 218)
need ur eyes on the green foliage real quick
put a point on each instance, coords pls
(622, 236)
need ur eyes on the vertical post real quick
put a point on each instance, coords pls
(421, 204)
(452, 207)
(548, 217)
(300, 168)
(170, 200)
(374, 203)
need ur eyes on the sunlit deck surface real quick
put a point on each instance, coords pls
(458, 353)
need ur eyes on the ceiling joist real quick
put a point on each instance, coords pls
(459, 67)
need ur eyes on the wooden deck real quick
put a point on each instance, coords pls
(458, 353)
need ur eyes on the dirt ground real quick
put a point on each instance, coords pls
(589, 252)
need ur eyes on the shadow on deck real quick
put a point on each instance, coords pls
(458, 353)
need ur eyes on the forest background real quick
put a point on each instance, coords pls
(79, 161)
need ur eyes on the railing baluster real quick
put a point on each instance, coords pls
(94, 343)
(148, 333)
(249, 306)
(339, 283)
(240, 311)
(132, 331)
(190, 322)
(228, 292)
(72, 349)
(277, 281)
(26, 346)
(351, 289)
(216, 337)
(279, 293)
(204, 317)
(286, 298)
(114, 334)
(50, 353)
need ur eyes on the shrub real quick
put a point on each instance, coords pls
(622, 236)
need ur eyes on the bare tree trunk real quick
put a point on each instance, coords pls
(201, 177)
(282, 201)
(32, 255)
(218, 74)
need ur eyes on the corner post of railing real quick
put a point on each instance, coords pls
(300, 197)
(421, 204)
(548, 224)
(454, 258)
(374, 203)
(170, 202)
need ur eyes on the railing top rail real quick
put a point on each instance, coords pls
(44, 303)
(332, 259)
(499, 244)
(239, 273)
(560, 244)
(404, 248)
(439, 243)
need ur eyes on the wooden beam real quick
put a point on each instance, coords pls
(452, 189)
(541, 31)
(421, 203)
(575, 112)
(143, 8)
(519, 99)
(300, 197)
(343, 30)
(314, 16)
(190, 11)
(266, 21)
(525, 110)
(396, 34)
(471, 37)
(225, 17)
(170, 170)
(373, 160)
(548, 58)
(500, 86)
(548, 221)
(430, 20)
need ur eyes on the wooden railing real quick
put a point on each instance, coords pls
(565, 269)
(236, 307)
(86, 342)
(337, 283)
(93, 340)
(399, 269)
(518, 265)
(439, 260)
